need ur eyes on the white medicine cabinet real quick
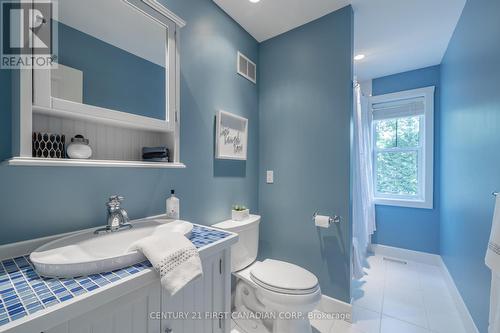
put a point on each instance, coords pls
(115, 81)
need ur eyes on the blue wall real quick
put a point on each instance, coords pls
(306, 118)
(36, 202)
(5, 115)
(113, 78)
(412, 228)
(305, 95)
(470, 150)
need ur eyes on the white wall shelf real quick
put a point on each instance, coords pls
(116, 137)
(55, 162)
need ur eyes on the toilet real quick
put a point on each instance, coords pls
(271, 296)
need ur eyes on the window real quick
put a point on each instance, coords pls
(403, 127)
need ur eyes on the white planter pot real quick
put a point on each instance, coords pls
(240, 215)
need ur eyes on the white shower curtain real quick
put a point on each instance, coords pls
(363, 206)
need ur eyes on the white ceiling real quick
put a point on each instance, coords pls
(401, 35)
(269, 18)
(395, 35)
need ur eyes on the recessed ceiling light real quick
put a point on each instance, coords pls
(254, 1)
(359, 57)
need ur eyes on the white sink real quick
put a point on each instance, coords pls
(86, 253)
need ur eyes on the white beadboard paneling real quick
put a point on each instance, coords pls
(107, 142)
(139, 323)
(208, 269)
(202, 295)
(199, 325)
(127, 314)
(218, 294)
(189, 302)
(196, 299)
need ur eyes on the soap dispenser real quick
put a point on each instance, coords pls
(173, 206)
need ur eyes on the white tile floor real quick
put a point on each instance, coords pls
(403, 298)
(398, 298)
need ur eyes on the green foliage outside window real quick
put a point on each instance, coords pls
(397, 144)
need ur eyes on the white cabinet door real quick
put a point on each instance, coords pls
(194, 309)
(127, 314)
(197, 308)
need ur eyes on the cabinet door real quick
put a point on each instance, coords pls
(128, 314)
(196, 308)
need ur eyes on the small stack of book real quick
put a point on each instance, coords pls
(155, 154)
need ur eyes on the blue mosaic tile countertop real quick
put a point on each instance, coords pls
(24, 292)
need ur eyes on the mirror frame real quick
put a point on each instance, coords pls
(42, 89)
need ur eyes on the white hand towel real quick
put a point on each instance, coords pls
(493, 253)
(495, 304)
(173, 256)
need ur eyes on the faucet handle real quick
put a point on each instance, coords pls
(114, 201)
(117, 198)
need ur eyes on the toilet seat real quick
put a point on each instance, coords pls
(283, 277)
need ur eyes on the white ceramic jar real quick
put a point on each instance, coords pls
(79, 148)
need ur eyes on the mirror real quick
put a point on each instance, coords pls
(112, 56)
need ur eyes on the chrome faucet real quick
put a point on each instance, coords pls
(117, 216)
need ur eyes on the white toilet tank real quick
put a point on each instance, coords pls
(244, 252)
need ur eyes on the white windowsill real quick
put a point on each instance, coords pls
(403, 203)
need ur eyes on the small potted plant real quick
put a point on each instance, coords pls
(240, 213)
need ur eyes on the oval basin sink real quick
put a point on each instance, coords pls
(86, 253)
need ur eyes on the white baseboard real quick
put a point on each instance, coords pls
(470, 326)
(416, 256)
(435, 260)
(332, 305)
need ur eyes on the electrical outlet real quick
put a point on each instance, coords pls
(270, 176)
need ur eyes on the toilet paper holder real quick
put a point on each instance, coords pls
(334, 219)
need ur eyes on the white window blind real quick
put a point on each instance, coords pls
(398, 109)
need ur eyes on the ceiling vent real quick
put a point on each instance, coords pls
(247, 68)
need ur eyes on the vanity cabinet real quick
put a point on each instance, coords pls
(127, 314)
(149, 309)
(202, 301)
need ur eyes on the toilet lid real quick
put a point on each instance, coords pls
(283, 277)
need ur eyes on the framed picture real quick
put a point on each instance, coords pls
(231, 137)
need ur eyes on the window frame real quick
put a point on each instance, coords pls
(426, 146)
